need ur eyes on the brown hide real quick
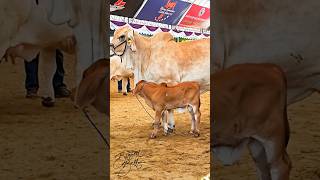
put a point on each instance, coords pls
(94, 87)
(249, 108)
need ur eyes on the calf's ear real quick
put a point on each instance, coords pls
(136, 89)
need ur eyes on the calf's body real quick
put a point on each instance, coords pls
(161, 97)
(249, 109)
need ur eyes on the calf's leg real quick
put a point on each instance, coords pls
(197, 113)
(164, 122)
(277, 158)
(171, 121)
(193, 120)
(156, 124)
(259, 156)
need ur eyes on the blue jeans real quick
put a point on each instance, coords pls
(31, 69)
(120, 85)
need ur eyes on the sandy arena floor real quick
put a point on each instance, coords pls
(303, 148)
(46, 143)
(177, 156)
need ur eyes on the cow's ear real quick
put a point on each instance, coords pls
(131, 41)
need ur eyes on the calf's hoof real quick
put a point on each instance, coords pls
(170, 130)
(195, 133)
(153, 136)
(165, 132)
(125, 94)
(47, 102)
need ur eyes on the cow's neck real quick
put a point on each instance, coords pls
(147, 98)
(142, 54)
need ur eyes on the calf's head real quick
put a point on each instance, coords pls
(93, 88)
(138, 87)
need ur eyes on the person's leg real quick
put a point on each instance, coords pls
(59, 75)
(128, 86)
(119, 86)
(32, 82)
(60, 88)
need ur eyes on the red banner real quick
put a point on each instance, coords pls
(197, 17)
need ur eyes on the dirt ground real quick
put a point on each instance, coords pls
(46, 143)
(303, 148)
(177, 156)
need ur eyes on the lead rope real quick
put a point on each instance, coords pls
(144, 108)
(86, 113)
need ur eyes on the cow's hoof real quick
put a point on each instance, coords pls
(125, 94)
(47, 102)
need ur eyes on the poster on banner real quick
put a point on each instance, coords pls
(163, 11)
(197, 16)
(126, 8)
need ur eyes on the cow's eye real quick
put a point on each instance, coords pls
(122, 38)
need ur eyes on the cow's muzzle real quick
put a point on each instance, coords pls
(114, 47)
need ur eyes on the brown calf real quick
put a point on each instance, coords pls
(249, 109)
(161, 97)
(94, 87)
